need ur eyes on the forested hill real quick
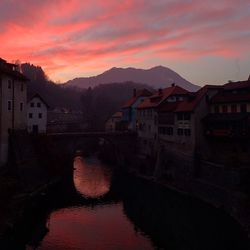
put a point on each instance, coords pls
(54, 94)
(102, 100)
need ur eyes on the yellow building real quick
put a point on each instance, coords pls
(13, 95)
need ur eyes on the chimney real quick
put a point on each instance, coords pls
(159, 91)
(173, 84)
(134, 92)
(249, 78)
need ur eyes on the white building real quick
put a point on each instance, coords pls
(13, 94)
(37, 110)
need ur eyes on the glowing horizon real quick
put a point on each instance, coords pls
(68, 39)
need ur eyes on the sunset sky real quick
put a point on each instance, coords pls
(204, 41)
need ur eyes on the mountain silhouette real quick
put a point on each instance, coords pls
(156, 77)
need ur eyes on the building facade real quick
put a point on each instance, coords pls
(129, 109)
(227, 126)
(64, 120)
(114, 123)
(13, 107)
(185, 141)
(151, 112)
(37, 110)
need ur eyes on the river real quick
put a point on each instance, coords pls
(107, 211)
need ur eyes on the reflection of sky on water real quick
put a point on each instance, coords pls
(102, 227)
(91, 178)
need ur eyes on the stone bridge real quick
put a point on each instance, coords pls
(112, 145)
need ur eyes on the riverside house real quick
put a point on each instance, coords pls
(227, 126)
(181, 138)
(37, 110)
(114, 122)
(13, 110)
(129, 109)
(150, 113)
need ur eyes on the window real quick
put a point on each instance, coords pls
(162, 130)
(30, 115)
(170, 131)
(186, 116)
(207, 98)
(224, 109)
(179, 131)
(22, 87)
(21, 106)
(40, 115)
(187, 132)
(32, 104)
(9, 84)
(179, 116)
(243, 108)
(9, 105)
(216, 109)
(233, 108)
(38, 105)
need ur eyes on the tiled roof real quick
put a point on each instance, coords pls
(38, 96)
(154, 100)
(231, 97)
(5, 69)
(140, 93)
(237, 85)
(190, 105)
(117, 114)
(168, 106)
(227, 94)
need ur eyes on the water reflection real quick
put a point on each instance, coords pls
(92, 179)
(98, 225)
(102, 228)
(123, 212)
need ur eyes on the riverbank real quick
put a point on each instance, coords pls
(26, 211)
(34, 169)
(237, 205)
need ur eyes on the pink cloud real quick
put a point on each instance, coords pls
(72, 37)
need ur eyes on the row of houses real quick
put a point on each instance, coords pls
(197, 142)
(212, 124)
